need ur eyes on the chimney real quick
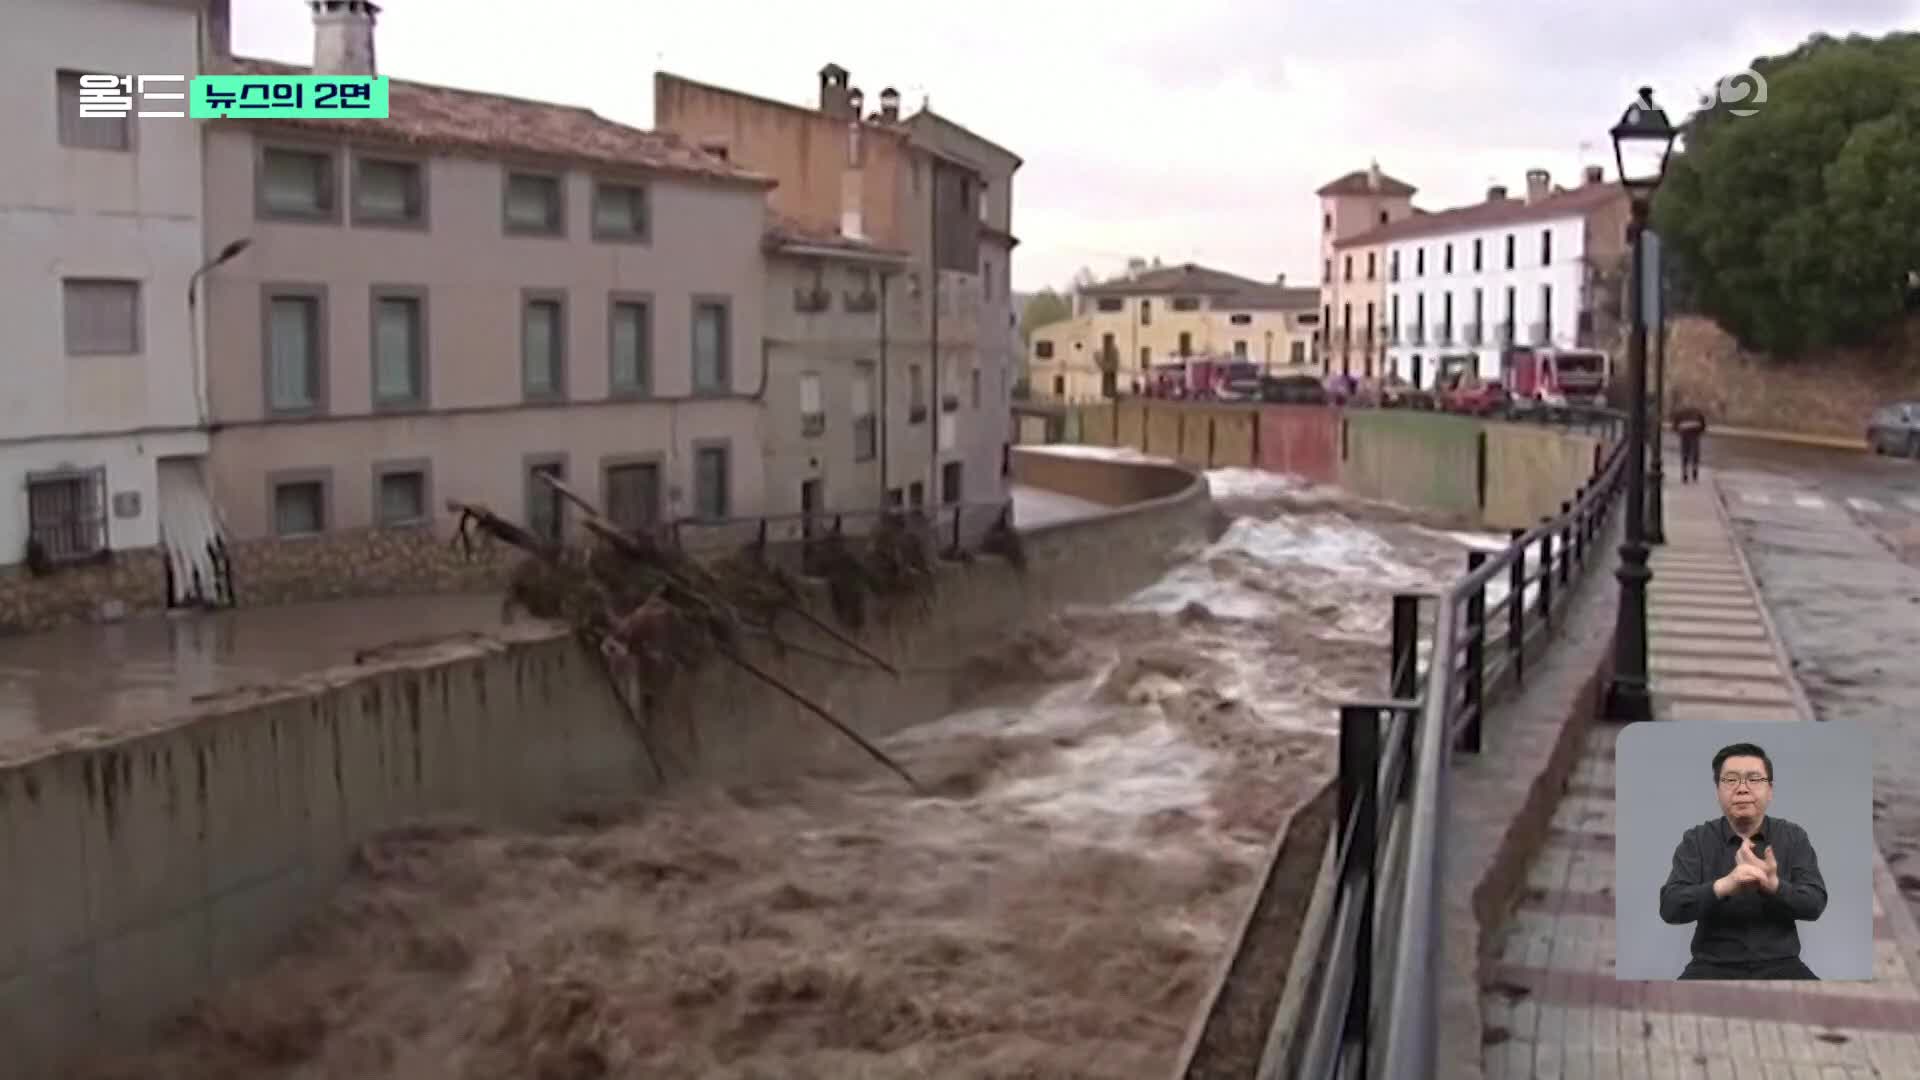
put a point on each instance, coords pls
(1539, 183)
(717, 146)
(1374, 176)
(890, 105)
(856, 103)
(216, 35)
(1279, 279)
(343, 36)
(1596, 174)
(1496, 193)
(834, 81)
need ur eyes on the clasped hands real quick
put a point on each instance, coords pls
(1749, 871)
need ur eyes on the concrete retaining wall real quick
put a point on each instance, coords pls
(1427, 460)
(1532, 470)
(139, 869)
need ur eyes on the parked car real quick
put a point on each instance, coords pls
(1293, 390)
(1895, 429)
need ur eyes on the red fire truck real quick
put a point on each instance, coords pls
(1555, 378)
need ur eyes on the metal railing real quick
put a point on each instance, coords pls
(788, 539)
(1372, 1008)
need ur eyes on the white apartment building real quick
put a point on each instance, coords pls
(1507, 272)
(100, 235)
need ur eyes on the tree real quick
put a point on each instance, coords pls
(1796, 227)
(1043, 307)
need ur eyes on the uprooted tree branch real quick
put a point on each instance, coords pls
(649, 610)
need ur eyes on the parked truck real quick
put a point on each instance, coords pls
(1555, 378)
(1458, 387)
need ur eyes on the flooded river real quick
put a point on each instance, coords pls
(1052, 906)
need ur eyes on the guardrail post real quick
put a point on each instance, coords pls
(1517, 609)
(1580, 527)
(1403, 677)
(1566, 542)
(1546, 574)
(956, 527)
(1476, 656)
(1359, 789)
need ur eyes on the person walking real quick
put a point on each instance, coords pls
(1690, 423)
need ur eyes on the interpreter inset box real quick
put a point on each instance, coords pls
(1743, 850)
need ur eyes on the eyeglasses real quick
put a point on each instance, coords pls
(1731, 781)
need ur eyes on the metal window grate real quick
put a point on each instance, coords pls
(67, 515)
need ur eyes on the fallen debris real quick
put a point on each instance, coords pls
(650, 611)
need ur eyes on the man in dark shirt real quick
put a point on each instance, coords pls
(1690, 423)
(1744, 879)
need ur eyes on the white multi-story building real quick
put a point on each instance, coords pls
(1507, 272)
(100, 237)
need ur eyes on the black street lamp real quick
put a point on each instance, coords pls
(1642, 142)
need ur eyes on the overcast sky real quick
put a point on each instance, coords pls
(1195, 130)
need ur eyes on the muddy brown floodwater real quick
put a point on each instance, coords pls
(1053, 907)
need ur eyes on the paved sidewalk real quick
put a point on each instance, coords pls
(1553, 1009)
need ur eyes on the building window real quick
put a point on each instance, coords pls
(1240, 319)
(1372, 272)
(1146, 357)
(916, 394)
(295, 350)
(543, 347)
(1186, 344)
(950, 490)
(1546, 314)
(1419, 262)
(299, 504)
(1546, 247)
(1447, 263)
(1059, 386)
(67, 513)
(1298, 354)
(1509, 251)
(1393, 266)
(1326, 270)
(296, 184)
(710, 482)
(1347, 267)
(1393, 315)
(620, 212)
(1346, 322)
(1186, 303)
(1478, 265)
(1110, 303)
(630, 345)
(813, 412)
(400, 494)
(1326, 222)
(546, 510)
(389, 192)
(1043, 350)
(866, 437)
(1240, 350)
(399, 347)
(974, 387)
(89, 132)
(101, 316)
(1383, 217)
(631, 494)
(535, 204)
(1146, 313)
(916, 495)
(712, 347)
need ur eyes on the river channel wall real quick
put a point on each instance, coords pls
(139, 869)
(1486, 473)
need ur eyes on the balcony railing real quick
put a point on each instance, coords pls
(862, 303)
(1443, 334)
(813, 424)
(811, 300)
(1503, 333)
(1416, 335)
(1470, 334)
(1540, 333)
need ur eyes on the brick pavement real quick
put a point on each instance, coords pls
(1552, 1008)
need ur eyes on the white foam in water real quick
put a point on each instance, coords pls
(1105, 453)
(1252, 483)
(1111, 781)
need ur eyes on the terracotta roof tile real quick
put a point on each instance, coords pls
(1490, 215)
(469, 121)
(1184, 278)
(1360, 182)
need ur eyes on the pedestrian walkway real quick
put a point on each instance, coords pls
(1771, 495)
(1552, 1007)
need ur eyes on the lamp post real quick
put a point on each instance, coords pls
(226, 255)
(1642, 142)
(1657, 435)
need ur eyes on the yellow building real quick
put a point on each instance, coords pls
(1353, 276)
(1123, 328)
